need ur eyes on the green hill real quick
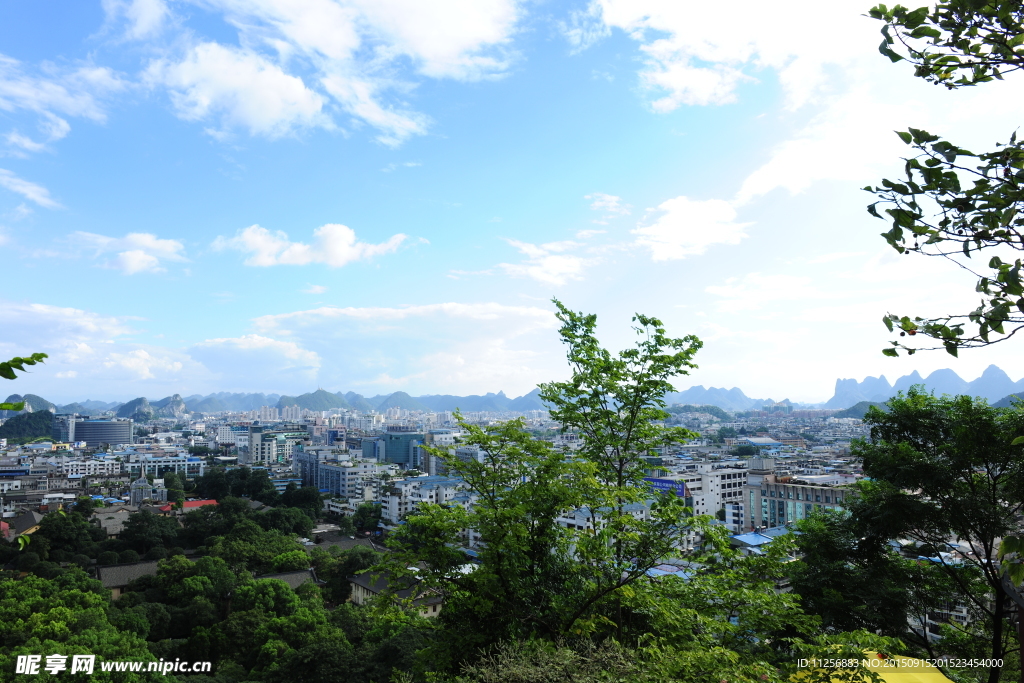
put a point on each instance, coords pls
(357, 401)
(28, 426)
(316, 400)
(710, 410)
(137, 409)
(400, 399)
(860, 410)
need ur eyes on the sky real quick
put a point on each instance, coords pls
(385, 195)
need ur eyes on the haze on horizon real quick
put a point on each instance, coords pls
(369, 197)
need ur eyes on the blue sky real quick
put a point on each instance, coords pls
(274, 195)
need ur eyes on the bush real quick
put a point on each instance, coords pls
(81, 560)
(157, 553)
(108, 557)
(28, 561)
(128, 556)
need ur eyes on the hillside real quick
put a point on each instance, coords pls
(402, 400)
(138, 409)
(28, 426)
(317, 400)
(357, 401)
(860, 410)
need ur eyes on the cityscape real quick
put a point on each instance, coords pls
(496, 341)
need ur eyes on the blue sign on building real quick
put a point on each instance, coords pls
(676, 486)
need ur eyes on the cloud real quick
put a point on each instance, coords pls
(754, 290)
(587, 234)
(393, 166)
(137, 252)
(240, 88)
(141, 364)
(687, 227)
(685, 63)
(610, 205)
(29, 190)
(297, 56)
(546, 263)
(277, 363)
(333, 244)
(450, 347)
(77, 91)
(144, 18)
(315, 289)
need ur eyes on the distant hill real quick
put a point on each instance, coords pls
(28, 425)
(729, 399)
(172, 406)
(226, 401)
(32, 402)
(992, 385)
(357, 401)
(710, 410)
(138, 409)
(402, 400)
(72, 408)
(317, 400)
(860, 410)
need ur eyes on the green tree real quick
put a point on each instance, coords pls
(366, 516)
(536, 577)
(66, 615)
(954, 203)
(726, 433)
(144, 531)
(175, 489)
(945, 469)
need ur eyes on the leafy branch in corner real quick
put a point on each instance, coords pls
(935, 213)
(959, 43)
(7, 371)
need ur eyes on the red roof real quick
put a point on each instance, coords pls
(189, 505)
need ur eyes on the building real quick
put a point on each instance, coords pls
(774, 502)
(156, 466)
(116, 577)
(96, 433)
(403, 496)
(141, 490)
(365, 587)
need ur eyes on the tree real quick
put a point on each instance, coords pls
(366, 516)
(726, 433)
(945, 470)
(853, 579)
(958, 43)
(537, 578)
(175, 490)
(144, 531)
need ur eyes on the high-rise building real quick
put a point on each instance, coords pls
(96, 433)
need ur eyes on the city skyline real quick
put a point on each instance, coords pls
(228, 196)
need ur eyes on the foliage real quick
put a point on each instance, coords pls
(853, 580)
(934, 212)
(28, 426)
(709, 409)
(144, 531)
(726, 433)
(366, 516)
(65, 615)
(8, 370)
(959, 42)
(944, 468)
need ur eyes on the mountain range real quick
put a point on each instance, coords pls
(994, 385)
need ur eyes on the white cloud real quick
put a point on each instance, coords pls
(56, 92)
(240, 88)
(333, 244)
(315, 289)
(393, 166)
(29, 190)
(754, 290)
(295, 54)
(586, 234)
(275, 362)
(431, 348)
(687, 227)
(609, 204)
(144, 18)
(686, 63)
(547, 263)
(137, 252)
(142, 364)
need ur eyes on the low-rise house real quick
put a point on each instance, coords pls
(116, 577)
(367, 586)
